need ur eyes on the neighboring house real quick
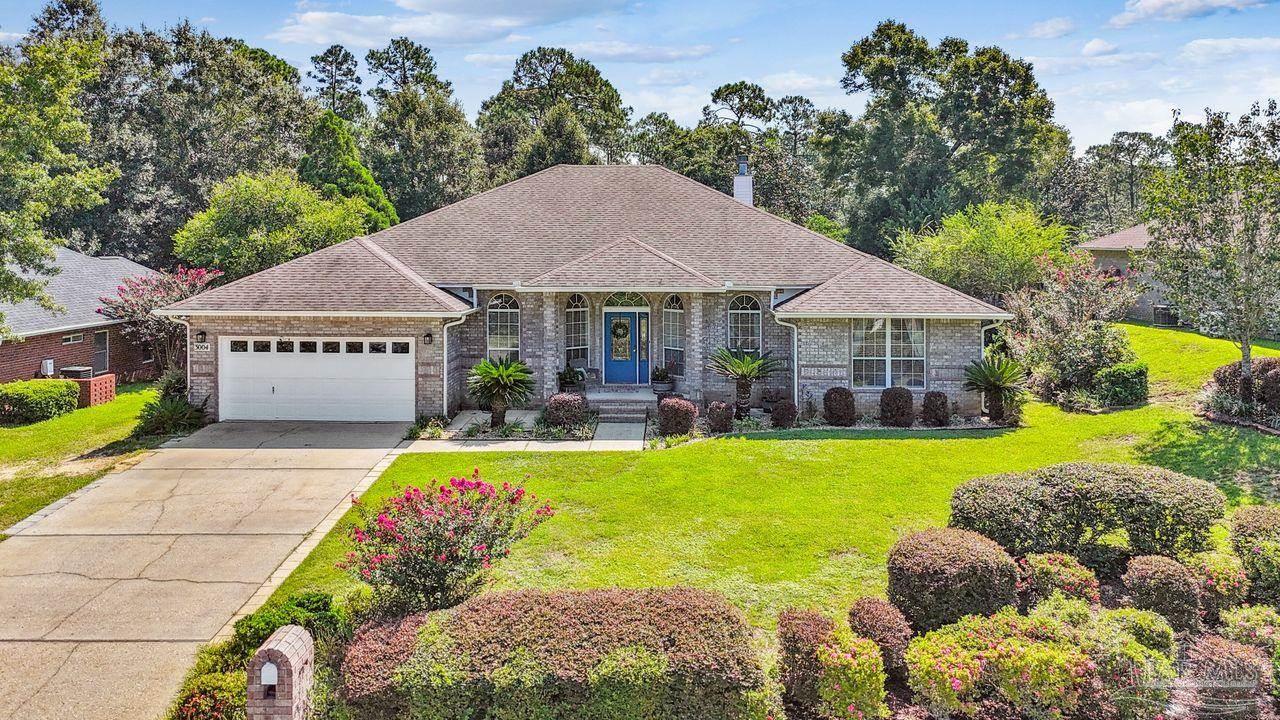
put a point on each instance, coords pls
(1116, 252)
(74, 335)
(612, 269)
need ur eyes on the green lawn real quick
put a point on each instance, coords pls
(1180, 360)
(805, 518)
(44, 461)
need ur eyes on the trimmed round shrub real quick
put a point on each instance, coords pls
(939, 575)
(1257, 625)
(377, 650)
(1043, 574)
(1222, 581)
(219, 695)
(1122, 384)
(1062, 508)
(1148, 628)
(1166, 586)
(784, 414)
(851, 682)
(839, 407)
(1252, 524)
(1266, 381)
(1230, 680)
(566, 410)
(679, 652)
(895, 407)
(935, 410)
(800, 634)
(1262, 566)
(676, 416)
(720, 417)
(884, 624)
(29, 401)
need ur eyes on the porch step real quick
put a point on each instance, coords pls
(623, 410)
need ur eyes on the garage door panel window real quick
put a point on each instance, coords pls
(284, 346)
(262, 346)
(307, 346)
(378, 348)
(355, 348)
(331, 346)
(239, 346)
(399, 348)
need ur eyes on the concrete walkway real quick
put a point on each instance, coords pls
(609, 436)
(105, 597)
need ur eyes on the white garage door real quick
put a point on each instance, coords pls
(353, 379)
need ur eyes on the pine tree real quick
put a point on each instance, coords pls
(560, 141)
(332, 165)
(402, 65)
(337, 83)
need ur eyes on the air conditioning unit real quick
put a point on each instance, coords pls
(78, 371)
(46, 367)
(1164, 315)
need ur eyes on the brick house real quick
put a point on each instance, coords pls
(73, 335)
(612, 270)
(1117, 252)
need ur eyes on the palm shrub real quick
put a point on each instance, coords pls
(499, 385)
(1001, 381)
(744, 369)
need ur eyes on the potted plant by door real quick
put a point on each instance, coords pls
(570, 379)
(660, 380)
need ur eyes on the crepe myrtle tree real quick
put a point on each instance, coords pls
(137, 297)
(1215, 232)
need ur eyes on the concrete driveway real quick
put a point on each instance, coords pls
(105, 598)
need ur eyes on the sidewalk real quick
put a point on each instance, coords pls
(609, 436)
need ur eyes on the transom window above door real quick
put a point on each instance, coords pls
(626, 299)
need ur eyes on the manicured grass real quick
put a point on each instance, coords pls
(1180, 361)
(807, 517)
(34, 459)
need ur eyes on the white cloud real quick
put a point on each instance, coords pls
(1136, 11)
(1206, 50)
(1098, 46)
(789, 82)
(491, 59)
(9, 38)
(619, 51)
(1071, 64)
(1048, 29)
(682, 102)
(667, 77)
(1152, 115)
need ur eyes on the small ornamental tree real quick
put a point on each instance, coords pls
(137, 297)
(1215, 232)
(429, 548)
(332, 165)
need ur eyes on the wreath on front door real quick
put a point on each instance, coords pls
(620, 330)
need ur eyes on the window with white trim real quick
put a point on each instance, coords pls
(744, 324)
(906, 351)
(503, 327)
(72, 339)
(673, 335)
(576, 329)
(886, 352)
(868, 353)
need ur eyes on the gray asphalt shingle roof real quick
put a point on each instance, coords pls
(77, 287)
(874, 287)
(1134, 238)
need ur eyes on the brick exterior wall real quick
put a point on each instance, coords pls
(430, 384)
(950, 345)
(20, 359)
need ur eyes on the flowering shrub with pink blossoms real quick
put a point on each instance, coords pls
(1222, 580)
(428, 548)
(852, 677)
(1043, 574)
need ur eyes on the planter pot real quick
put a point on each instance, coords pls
(659, 386)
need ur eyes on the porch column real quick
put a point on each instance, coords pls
(694, 353)
(552, 344)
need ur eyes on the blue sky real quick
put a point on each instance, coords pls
(1108, 64)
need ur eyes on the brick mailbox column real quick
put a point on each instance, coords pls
(280, 676)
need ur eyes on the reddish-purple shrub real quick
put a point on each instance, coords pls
(1043, 574)
(1266, 381)
(839, 407)
(938, 576)
(428, 549)
(1229, 680)
(376, 651)
(895, 407)
(1165, 586)
(800, 633)
(884, 623)
(935, 410)
(566, 410)
(784, 414)
(216, 696)
(676, 416)
(720, 417)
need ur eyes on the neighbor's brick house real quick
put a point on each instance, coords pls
(612, 270)
(75, 334)
(1117, 252)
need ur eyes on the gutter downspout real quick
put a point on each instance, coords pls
(983, 331)
(795, 348)
(444, 361)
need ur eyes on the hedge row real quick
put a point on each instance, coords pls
(29, 401)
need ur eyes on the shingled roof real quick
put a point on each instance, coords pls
(575, 227)
(1134, 238)
(873, 287)
(77, 288)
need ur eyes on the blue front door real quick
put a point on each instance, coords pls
(626, 348)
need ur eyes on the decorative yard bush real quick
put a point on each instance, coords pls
(1122, 384)
(659, 653)
(1253, 524)
(1266, 382)
(168, 416)
(1002, 381)
(939, 575)
(676, 416)
(720, 417)
(1063, 508)
(851, 680)
(784, 415)
(1262, 566)
(895, 407)
(217, 696)
(565, 410)
(885, 624)
(935, 410)
(29, 401)
(1043, 574)
(1164, 585)
(1230, 679)
(314, 611)
(839, 407)
(1222, 581)
(1257, 625)
(430, 548)
(376, 652)
(800, 633)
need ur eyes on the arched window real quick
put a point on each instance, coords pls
(504, 327)
(673, 334)
(744, 324)
(575, 330)
(626, 299)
